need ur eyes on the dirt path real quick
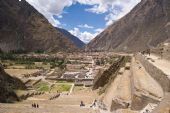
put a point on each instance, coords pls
(144, 83)
(124, 87)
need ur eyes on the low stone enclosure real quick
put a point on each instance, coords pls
(87, 82)
(54, 97)
(30, 83)
(36, 74)
(31, 94)
(156, 73)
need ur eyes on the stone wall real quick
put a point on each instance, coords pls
(104, 77)
(156, 73)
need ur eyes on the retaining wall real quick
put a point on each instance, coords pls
(156, 73)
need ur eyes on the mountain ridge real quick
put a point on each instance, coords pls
(23, 28)
(145, 26)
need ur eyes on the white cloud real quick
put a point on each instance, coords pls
(55, 7)
(97, 9)
(115, 8)
(86, 26)
(110, 6)
(85, 36)
(119, 9)
(99, 30)
(60, 16)
(51, 7)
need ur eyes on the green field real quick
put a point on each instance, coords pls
(42, 86)
(61, 87)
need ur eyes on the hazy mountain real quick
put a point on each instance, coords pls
(73, 38)
(147, 25)
(24, 28)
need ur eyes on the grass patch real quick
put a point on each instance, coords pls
(63, 82)
(42, 86)
(60, 88)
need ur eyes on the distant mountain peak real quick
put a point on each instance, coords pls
(74, 39)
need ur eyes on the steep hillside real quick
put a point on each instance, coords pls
(7, 86)
(145, 26)
(22, 28)
(73, 38)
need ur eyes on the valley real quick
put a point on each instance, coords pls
(53, 61)
(121, 83)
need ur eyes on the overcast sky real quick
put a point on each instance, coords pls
(83, 18)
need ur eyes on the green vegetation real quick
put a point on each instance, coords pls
(39, 51)
(42, 86)
(60, 87)
(15, 57)
(62, 82)
(7, 56)
(10, 59)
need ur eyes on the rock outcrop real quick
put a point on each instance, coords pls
(7, 86)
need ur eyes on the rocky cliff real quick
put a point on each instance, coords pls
(22, 28)
(144, 27)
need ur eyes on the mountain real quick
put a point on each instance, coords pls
(22, 28)
(7, 85)
(146, 26)
(73, 38)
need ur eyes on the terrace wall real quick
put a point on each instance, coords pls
(156, 73)
(106, 76)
